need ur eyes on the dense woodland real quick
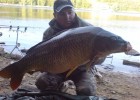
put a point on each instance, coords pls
(116, 5)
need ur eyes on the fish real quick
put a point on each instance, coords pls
(66, 52)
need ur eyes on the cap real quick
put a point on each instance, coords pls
(61, 4)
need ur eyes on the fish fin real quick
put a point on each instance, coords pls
(88, 65)
(69, 72)
(6, 72)
(11, 71)
(91, 63)
(15, 81)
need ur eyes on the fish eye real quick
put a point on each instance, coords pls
(119, 38)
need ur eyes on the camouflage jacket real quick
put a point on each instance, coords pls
(54, 28)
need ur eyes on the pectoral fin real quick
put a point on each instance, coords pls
(70, 72)
(88, 65)
(91, 63)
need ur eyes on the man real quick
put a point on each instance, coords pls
(66, 18)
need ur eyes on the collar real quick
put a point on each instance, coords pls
(53, 24)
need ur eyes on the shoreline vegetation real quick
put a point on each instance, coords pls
(114, 5)
(129, 13)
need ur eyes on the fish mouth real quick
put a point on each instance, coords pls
(130, 51)
(128, 47)
(123, 46)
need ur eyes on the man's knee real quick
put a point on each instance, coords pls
(85, 82)
(86, 86)
(88, 90)
(48, 81)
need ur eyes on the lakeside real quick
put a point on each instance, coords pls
(115, 85)
(126, 13)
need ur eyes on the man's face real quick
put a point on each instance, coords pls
(65, 17)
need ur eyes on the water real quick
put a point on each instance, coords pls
(32, 36)
(36, 19)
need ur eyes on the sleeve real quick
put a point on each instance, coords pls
(48, 34)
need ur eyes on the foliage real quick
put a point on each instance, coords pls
(82, 3)
(116, 5)
(77, 3)
(123, 5)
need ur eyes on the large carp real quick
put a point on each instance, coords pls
(65, 52)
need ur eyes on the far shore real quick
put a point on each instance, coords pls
(129, 13)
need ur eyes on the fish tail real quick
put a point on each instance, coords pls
(12, 72)
(6, 72)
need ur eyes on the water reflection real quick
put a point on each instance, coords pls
(26, 12)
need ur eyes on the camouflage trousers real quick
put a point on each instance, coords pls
(84, 81)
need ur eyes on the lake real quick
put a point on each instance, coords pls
(36, 20)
